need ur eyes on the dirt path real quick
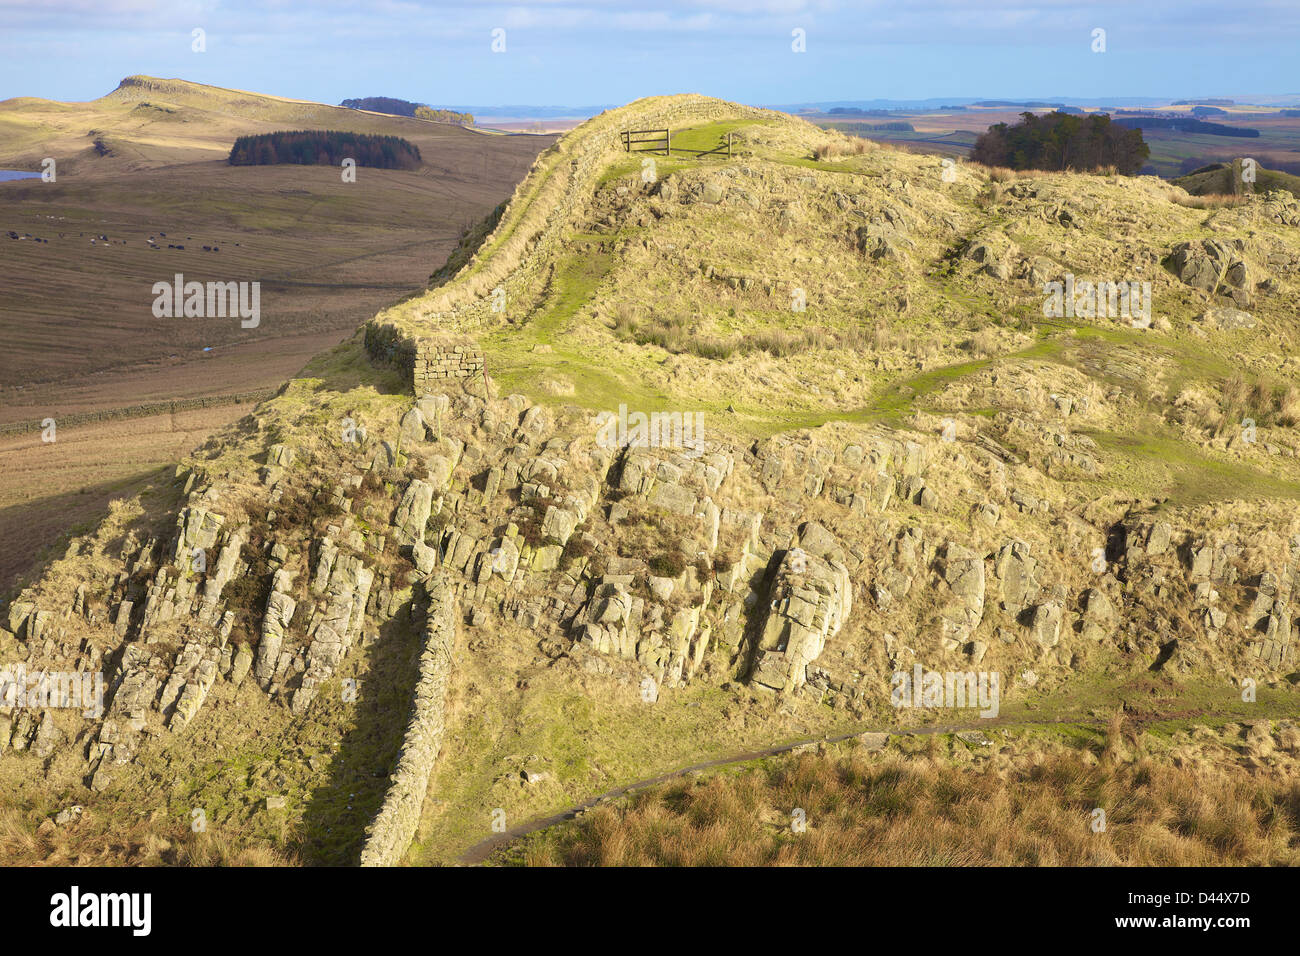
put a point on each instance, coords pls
(479, 852)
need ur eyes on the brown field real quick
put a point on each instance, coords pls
(1173, 153)
(77, 317)
(48, 489)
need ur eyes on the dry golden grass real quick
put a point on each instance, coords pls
(894, 810)
(846, 146)
(1288, 413)
(1210, 201)
(680, 335)
(984, 343)
(1264, 401)
(1004, 174)
(32, 839)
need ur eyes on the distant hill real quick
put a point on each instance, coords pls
(852, 111)
(857, 129)
(150, 122)
(1018, 104)
(1224, 179)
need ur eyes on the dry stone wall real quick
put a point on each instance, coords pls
(398, 338)
(394, 827)
(437, 360)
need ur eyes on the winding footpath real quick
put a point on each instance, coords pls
(482, 851)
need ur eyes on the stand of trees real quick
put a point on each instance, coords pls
(1059, 141)
(382, 104)
(324, 147)
(444, 116)
(395, 107)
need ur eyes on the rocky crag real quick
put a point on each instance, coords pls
(986, 518)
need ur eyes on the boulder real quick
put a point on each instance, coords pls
(1016, 571)
(713, 192)
(559, 523)
(413, 512)
(412, 428)
(240, 665)
(1045, 625)
(810, 597)
(1227, 319)
(963, 572)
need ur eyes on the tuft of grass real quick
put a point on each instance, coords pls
(847, 146)
(1212, 201)
(984, 343)
(30, 838)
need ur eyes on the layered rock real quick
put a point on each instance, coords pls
(809, 600)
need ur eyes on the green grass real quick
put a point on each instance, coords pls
(1075, 714)
(1149, 463)
(1141, 457)
(711, 135)
(589, 748)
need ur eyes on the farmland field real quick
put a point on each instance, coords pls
(76, 307)
(1173, 153)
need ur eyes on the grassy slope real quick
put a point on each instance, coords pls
(1170, 797)
(1225, 180)
(563, 349)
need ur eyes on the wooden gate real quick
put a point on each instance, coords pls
(651, 141)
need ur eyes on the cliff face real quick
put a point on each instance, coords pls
(869, 491)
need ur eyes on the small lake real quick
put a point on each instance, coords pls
(8, 174)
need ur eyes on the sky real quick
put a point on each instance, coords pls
(604, 52)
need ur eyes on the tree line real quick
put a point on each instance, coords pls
(324, 147)
(1189, 126)
(1059, 141)
(444, 116)
(395, 107)
(382, 104)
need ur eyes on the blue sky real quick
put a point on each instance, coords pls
(585, 52)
